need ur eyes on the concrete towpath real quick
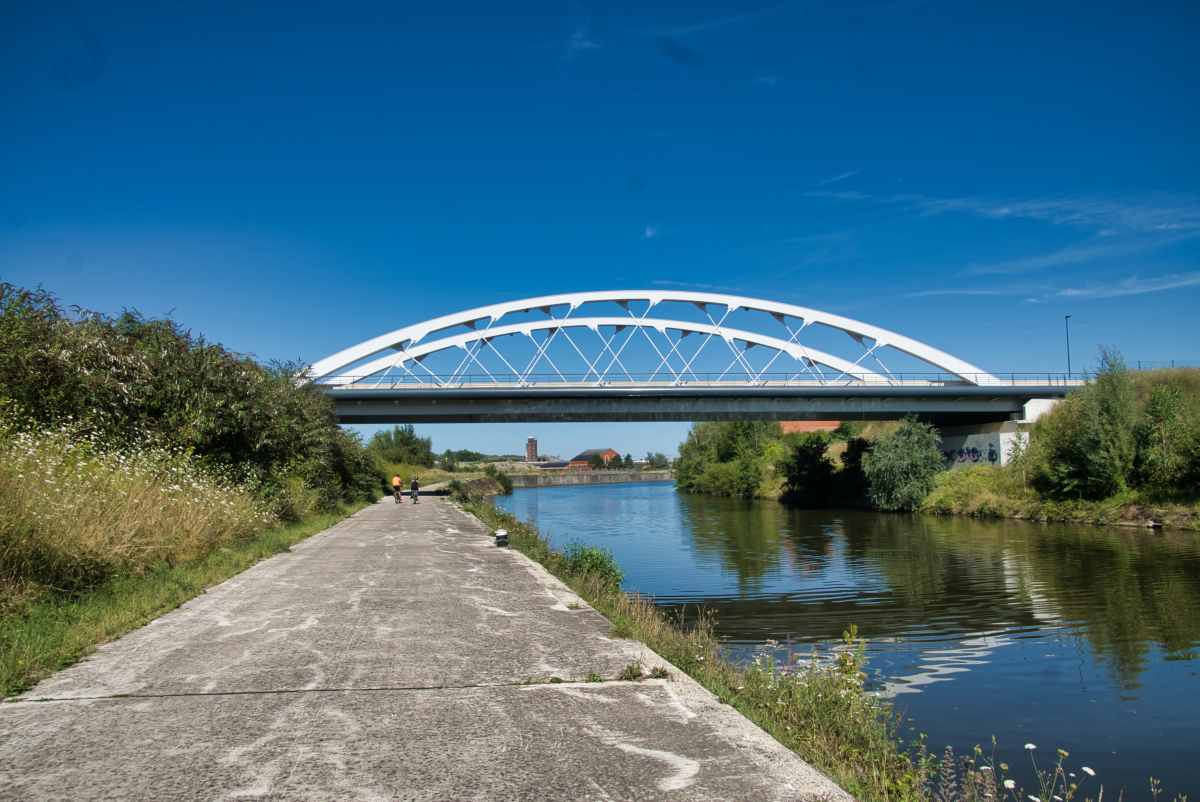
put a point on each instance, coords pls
(385, 658)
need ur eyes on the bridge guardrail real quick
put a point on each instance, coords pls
(550, 381)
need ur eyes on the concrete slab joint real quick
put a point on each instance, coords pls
(386, 658)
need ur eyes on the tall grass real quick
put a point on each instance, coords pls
(74, 512)
(46, 635)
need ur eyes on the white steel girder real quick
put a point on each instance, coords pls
(414, 343)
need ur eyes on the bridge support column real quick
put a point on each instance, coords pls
(990, 443)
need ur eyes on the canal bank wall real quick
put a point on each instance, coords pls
(589, 478)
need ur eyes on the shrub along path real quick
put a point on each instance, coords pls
(398, 654)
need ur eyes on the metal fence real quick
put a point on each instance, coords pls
(727, 379)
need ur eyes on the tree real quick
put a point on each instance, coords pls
(657, 461)
(1112, 417)
(596, 462)
(629, 466)
(809, 472)
(901, 469)
(402, 444)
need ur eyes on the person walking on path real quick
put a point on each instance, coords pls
(397, 487)
(413, 488)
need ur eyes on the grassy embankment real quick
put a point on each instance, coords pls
(812, 703)
(98, 541)
(1123, 449)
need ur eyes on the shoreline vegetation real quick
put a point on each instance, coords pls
(140, 464)
(1124, 449)
(813, 703)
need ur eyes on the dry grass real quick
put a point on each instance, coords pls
(55, 631)
(426, 476)
(73, 512)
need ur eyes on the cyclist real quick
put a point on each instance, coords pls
(397, 487)
(413, 489)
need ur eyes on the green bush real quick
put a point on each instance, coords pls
(901, 469)
(1120, 431)
(718, 479)
(808, 471)
(593, 560)
(135, 381)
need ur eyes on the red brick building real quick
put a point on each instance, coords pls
(581, 460)
(790, 426)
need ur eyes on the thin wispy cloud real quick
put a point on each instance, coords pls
(1119, 226)
(1107, 215)
(840, 177)
(1093, 249)
(581, 38)
(726, 21)
(651, 231)
(694, 286)
(926, 293)
(1134, 285)
(765, 78)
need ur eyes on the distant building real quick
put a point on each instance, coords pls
(790, 426)
(581, 460)
(531, 453)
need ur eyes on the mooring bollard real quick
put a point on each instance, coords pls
(501, 537)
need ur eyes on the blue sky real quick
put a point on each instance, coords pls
(291, 179)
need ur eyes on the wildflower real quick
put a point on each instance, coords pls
(1063, 753)
(1090, 773)
(1031, 746)
(1009, 784)
(1059, 798)
(1034, 798)
(985, 768)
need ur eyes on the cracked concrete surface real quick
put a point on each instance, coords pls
(385, 658)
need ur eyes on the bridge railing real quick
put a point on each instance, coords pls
(410, 381)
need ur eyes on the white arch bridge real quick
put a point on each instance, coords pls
(662, 356)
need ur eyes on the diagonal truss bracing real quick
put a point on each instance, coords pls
(401, 353)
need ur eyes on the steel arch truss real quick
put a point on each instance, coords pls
(633, 349)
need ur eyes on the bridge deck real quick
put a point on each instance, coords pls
(945, 404)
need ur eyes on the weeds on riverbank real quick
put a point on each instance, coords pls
(48, 634)
(987, 492)
(811, 702)
(814, 705)
(75, 512)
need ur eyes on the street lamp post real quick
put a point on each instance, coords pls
(1067, 323)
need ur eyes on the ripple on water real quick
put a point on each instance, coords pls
(1080, 638)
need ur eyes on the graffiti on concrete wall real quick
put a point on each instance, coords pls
(975, 450)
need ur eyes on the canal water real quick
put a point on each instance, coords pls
(1068, 637)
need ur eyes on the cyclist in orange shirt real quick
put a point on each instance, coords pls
(397, 487)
